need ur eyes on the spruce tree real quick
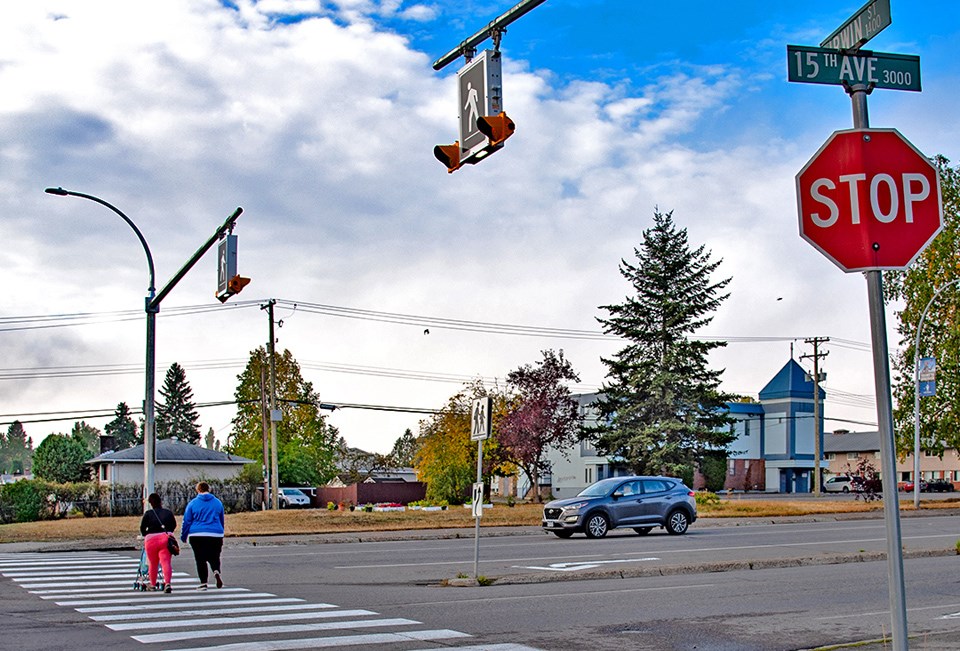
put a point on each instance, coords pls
(122, 428)
(661, 408)
(177, 415)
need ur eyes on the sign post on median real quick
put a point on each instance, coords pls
(481, 425)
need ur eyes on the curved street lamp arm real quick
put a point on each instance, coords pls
(146, 249)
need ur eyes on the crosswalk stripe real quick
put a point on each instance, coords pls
(167, 598)
(78, 576)
(152, 638)
(117, 582)
(339, 640)
(205, 611)
(163, 604)
(87, 593)
(248, 619)
(101, 569)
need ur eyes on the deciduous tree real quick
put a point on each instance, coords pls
(662, 408)
(934, 269)
(541, 413)
(306, 445)
(60, 458)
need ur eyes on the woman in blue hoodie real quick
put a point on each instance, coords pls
(202, 528)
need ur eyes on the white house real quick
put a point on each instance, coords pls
(176, 461)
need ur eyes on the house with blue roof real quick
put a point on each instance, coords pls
(775, 449)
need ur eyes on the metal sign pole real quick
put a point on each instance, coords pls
(881, 372)
(476, 513)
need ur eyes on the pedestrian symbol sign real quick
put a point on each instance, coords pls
(480, 94)
(480, 423)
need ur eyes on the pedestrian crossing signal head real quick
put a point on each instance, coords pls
(234, 286)
(497, 128)
(449, 155)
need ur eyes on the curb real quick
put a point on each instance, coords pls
(700, 568)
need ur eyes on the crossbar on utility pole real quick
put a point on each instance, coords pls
(497, 25)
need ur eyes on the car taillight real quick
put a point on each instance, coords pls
(691, 494)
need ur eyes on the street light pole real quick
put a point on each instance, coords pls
(151, 308)
(916, 395)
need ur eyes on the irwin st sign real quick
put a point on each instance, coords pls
(869, 21)
(817, 65)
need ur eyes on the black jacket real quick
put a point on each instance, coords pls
(158, 521)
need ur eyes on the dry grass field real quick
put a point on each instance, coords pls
(318, 521)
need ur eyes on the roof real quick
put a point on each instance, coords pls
(790, 382)
(172, 450)
(852, 442)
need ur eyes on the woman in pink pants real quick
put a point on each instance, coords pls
(155, 526)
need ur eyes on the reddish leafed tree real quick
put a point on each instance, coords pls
(543, 413)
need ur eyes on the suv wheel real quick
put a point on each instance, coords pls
(678, 522)
(846, 489)
(596, 526)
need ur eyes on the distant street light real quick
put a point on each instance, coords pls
(916, 395)
(151, 308)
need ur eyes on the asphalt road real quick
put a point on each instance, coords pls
(813, 583)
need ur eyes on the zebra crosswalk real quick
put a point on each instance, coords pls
(99, 586)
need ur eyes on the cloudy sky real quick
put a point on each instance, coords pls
(319, 118)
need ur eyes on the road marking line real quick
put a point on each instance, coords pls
(586, 565)
(166, 598)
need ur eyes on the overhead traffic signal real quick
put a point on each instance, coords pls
(497, 128)
(449, 155)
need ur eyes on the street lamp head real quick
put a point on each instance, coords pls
(57, 191)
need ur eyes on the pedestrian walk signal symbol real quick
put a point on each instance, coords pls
(480, 422)
(483, 126)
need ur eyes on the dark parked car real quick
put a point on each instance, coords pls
(939, 486)
(640, 503)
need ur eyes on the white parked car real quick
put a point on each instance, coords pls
(841, 484)
(293, 498)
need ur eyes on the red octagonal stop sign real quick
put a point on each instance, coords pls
(869, 200)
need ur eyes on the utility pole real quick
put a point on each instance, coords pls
(817, 453)
(266, 448)
(274, 416)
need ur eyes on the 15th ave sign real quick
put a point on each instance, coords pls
(868, 200)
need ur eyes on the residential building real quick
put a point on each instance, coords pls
(844, 450)
(176, 461)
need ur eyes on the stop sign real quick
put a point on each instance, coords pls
(869, 200)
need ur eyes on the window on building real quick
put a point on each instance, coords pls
(588, 475)
(905, 476)
(731, 467)
(853, 455)
(831, 456)
(104, 472)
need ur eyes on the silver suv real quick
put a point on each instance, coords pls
(640, 503)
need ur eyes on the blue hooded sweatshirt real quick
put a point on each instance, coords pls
(203, 517)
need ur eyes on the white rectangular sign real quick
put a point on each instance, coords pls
(480, 94)
(478, 499)
(480, 421)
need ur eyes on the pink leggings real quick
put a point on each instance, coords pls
(156, 546)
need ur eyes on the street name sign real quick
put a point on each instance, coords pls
(480, 94)
(869, 200)
(870, 20)
(817, 65)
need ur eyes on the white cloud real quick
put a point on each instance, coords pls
(323, 129)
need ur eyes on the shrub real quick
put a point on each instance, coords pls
(24, 501)
(706, 499)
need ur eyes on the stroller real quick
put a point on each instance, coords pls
(142, 582)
